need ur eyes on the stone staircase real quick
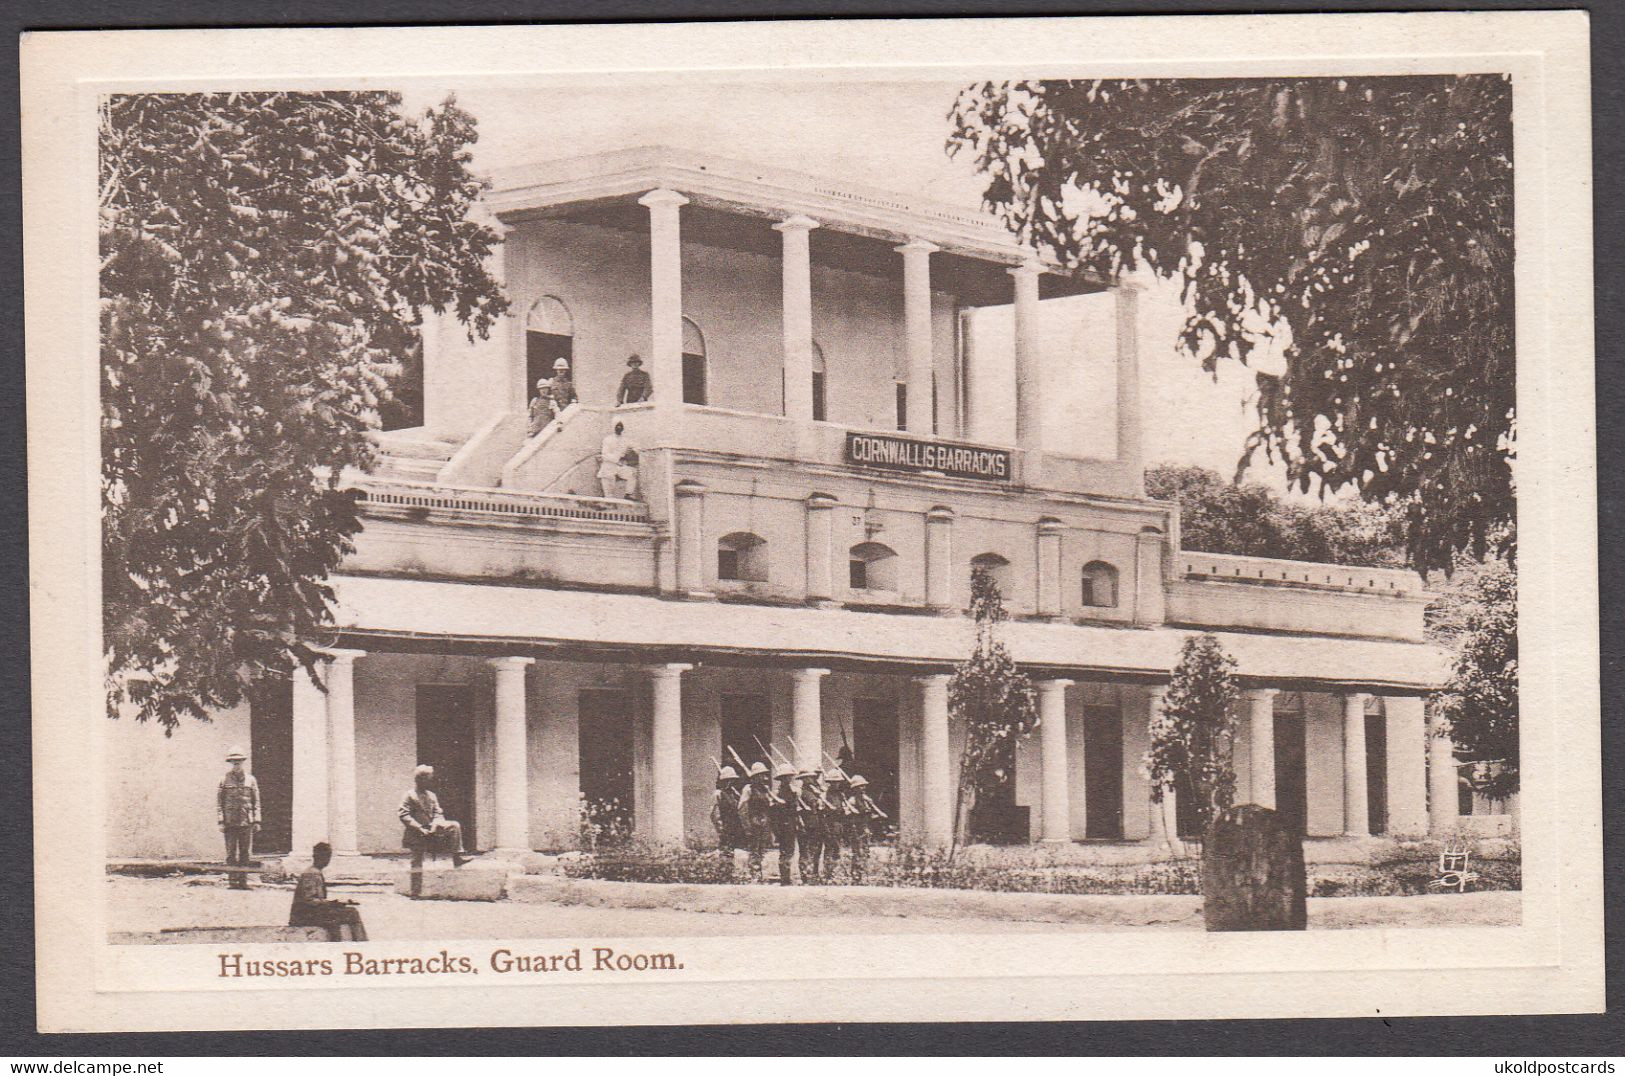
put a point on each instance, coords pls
(413, 459)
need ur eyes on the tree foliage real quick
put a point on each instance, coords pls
(1193, 735)
(1480, 702)
(264, 259)
(992, 699)
(1250, 519)
(1365, 222)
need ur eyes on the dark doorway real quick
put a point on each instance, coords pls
(605, 722)
(874, 751)
(270, 747)
(542, 350)
(446, 742)
(693, 378)
(1103, 772)
(1187, 823)
(747, 725)
(995, 817)
(1376, 772)
(1291, 788)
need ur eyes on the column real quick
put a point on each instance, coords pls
(1356, 814)
(972, 417)
(690, 537)
(512, 751)
(939, 558)
(665, 294)
(1261, 743)
(917, 326)
(1029, 358)
(310, 772)
(1057, 816)
(341, 816)
(807, 717)
(798, 398)
(1129, 450)
(666, 754)
(936, 777)
(820, 535)
(1049, 566)
(1165, 815)
(1443, 802)
(1406, 765)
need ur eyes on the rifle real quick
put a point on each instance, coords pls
(744, 770)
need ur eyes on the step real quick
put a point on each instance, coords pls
(401, 448)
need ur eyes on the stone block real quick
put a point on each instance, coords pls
(1253, 875)
(465, 883)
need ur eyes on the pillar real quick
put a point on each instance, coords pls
(512, 751)
(972, 411)
(1356, 813)
(820, 536)
(341, 812)
(917, 327)
(665, 294)
(1129, 449)
(666, 754)
(1443, 804)
(1057, 814)
(1049, 566)
(807, 717)
(310, 770)
(690, 537)
(936, 776)
(939, 558)
(1029, 358)
(798, 396)
(1261, 744)
(1164, 825)
(1406, 766)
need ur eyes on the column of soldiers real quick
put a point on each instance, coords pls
(807, 815)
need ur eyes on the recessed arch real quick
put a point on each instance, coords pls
(549, 337)
(872, 566)
(997, 567)
(742, 557)
(695, 373)
(1099, 589)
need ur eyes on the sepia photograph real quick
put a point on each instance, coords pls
(563, 527)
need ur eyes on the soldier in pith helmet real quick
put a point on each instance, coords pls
(782, 812)
(237, 806)
(725, 810)
(754, 802)
(864, 813)
(810, 820)
(833, 811)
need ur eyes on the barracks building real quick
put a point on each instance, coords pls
(836, 439)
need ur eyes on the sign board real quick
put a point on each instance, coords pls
(885, 452)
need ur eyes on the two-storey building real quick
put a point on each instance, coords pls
(820, 470)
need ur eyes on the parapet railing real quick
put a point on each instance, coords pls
(497, 503)
(1228, 568)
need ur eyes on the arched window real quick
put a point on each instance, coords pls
(742, 556)
(818, 369)
(872, 566)
(693, 363)
(997, 567)
(1099, 585)
(549, 337)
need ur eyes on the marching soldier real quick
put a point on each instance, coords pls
(782, 812)
(810, 820)
(754, 820)
(835, 811)
(725, 811)
(865, 812)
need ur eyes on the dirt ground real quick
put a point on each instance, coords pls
(150, 904)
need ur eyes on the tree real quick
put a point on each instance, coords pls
(1250, 519)
(1193, 735)
(994, 702)
(1480, 702)
(1366, 223)
(264, 259)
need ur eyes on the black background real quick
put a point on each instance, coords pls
(1501, 1036)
